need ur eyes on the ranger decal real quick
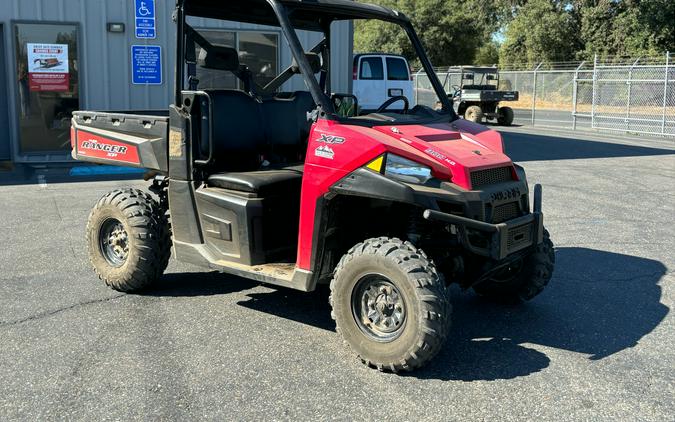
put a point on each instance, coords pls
(95, 146)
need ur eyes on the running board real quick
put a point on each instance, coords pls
(280, 274)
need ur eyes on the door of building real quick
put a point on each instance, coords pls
(4, 101)
(48, 86)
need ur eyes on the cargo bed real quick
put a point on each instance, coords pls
(122, 138)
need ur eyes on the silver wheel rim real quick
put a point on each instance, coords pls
(114, 242)
(378, 308)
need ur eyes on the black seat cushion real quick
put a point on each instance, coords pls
(263, 182)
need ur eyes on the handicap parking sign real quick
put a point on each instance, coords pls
(145, 19)
(146, 64)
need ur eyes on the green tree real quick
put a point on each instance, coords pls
(452, 31)
(461, 31)
(542, 30)
(487, 54)
(626, 28)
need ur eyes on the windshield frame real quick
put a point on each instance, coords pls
(322, 99)
(283, 9)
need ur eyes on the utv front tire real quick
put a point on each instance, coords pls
(529, 280)
(474, 114)
(390, 304)
(128, 240)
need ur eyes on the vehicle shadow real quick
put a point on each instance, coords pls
(306, 308)
(27, 175)
(598, 303)
(537, 147)
(198, 284)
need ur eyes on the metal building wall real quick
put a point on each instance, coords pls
(105, 58)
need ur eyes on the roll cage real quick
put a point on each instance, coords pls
(292, 15)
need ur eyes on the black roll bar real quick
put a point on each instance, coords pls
(299, 55)
(179, 19)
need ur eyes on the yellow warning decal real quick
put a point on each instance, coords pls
(376, 164)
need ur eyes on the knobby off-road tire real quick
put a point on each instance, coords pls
(535, 273)
(474, 114)
(400, 275)
(128, 240)
(505, 116)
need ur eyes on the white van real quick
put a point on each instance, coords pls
(372, 88)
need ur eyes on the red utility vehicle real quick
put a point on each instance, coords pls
(296, 188)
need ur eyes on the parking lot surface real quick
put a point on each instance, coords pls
(596, 345)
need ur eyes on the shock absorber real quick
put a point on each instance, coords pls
(415, 224)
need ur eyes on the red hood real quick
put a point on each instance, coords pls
(460, 147)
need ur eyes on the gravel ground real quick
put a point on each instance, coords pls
(596, 345)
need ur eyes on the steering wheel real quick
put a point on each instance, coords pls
(392, 100)
(456, 90)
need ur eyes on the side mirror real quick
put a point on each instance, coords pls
(346, 105)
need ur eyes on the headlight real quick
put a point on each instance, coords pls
(401, 169)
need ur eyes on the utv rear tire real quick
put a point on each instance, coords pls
(128, 240)
(505, 116)
(474, 114)
(409, 287)
(535, 272)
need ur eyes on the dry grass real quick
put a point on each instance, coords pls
(560, 103)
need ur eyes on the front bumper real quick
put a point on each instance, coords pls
(504, 238)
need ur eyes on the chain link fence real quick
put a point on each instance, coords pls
(635, 96)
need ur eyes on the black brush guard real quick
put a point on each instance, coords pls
(504, 238)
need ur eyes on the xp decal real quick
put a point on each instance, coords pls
(328, 139)
(95, 146)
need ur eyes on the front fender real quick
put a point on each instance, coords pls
(366, 183)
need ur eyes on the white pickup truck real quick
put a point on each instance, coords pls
(378, 77)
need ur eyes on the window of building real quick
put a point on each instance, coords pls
(47, 79)
(212, 78)
(257, 50)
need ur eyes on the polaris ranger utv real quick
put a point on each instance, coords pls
(293, 189)
(478, 95)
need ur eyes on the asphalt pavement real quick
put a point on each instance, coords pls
(596, 345)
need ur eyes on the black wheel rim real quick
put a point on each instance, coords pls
(114, 242)
(378, 308)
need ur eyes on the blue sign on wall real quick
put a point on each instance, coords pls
(145, 19)
(146, 64)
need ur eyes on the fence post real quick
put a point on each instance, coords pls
(629, 82)
(595, 79)
(665, 95)
(417, 87)
(575, 95)
(534, 92)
